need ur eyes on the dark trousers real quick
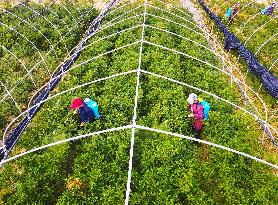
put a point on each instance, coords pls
(197, 133)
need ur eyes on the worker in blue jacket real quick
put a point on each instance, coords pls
(86, 113)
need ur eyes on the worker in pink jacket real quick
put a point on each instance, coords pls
(197, 114)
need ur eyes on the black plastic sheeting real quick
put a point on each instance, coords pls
(36, 104)
(269, 81)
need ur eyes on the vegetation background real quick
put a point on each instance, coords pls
(93, 170)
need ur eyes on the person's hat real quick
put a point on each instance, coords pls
(76, 103)
(191, 98)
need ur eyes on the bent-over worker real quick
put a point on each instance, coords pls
(86, 113)
(197, 114)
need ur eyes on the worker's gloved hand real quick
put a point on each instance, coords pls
(75, 111)
(82, 124)
(191, 115)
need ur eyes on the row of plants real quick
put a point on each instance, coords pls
(166, 169)
(256, 31)
(247, 23)
(259, 32)
(36, 38)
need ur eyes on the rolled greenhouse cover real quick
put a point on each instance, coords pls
(36, 104)
(269, 81)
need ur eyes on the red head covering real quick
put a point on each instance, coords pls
(76, 103)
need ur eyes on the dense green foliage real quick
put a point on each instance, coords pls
(258, 33)
(249, 22)
(166, 169)
(35, 38)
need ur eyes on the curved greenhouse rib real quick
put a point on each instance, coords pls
(133, 71)
(101, 39)
(113, 34)
(64, 141)
(128, 187)
(62, 20)
(213, 95)
(121, 21)
(125, 13)
(111, 51)
(208, 143)
(223, 59)
(172, 6)
(186, 20)
(195, 42)
(246, 22)
(113, 24)
(189, 56)
(251, 37)
(34, 46)
(272, 65)
(143, 128)
(8, 93)
(181, 36)
(258, 30)
(49, 9)
(159, 17)
(210, 38)
(63, 92)
(55, 28)
(255, 94)
(74, 19)
(80, 64)
(266, 41)
(22, 20)
(242, 82)
(101, 29)
(29, 17)
(23, 65)
(119, 7)
(35, 66)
